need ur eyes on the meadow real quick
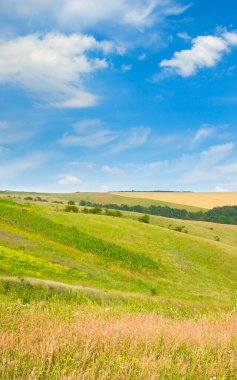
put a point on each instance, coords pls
(85, 296)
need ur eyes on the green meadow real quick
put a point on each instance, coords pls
(85, 296)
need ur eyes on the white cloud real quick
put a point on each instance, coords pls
(89, 140)
(151, 168)
(220, 189)
(12, 133)
(229, 168)
(204, 166)
(203, 133)
(217, 152)
(206, 51)
(93, 13)
(125, 68)
(184, 36)
(87, 123)
(136, 138)
(68, 180)
(89, 133)
(111, 170)
(82, 165)
(54, 66)
(16, 167)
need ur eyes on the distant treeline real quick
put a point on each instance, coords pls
(150, 191)
(224, 215)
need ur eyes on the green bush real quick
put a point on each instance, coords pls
(95, 210)
(144, 219)
(181, 229)
(115, 213)
(72, 208)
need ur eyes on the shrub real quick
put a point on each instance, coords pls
(144, 219)
(72, 208)
(115, 213)
(71, 203)
(181, 229)
(217, 238)
(95, 210)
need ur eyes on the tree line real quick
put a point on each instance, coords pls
(224, 215)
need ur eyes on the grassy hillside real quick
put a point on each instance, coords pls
(117, 254)
(87, 296)
(198, 200)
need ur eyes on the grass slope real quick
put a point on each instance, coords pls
(117, 254)
(95, 297)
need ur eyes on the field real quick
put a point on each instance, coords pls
(86, 296)
(118, 198)
(198, 200)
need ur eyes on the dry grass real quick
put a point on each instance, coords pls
(202, 200)
(39, 345)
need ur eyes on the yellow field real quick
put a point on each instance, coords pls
(202, 200)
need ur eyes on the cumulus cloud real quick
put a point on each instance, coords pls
(206, 52)
(54, 66)
(68, 180)
(220, 189)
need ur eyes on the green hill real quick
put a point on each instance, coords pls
(118, 254)
(86, 296)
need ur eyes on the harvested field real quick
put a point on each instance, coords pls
(202, 200)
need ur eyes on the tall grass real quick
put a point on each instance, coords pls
(36, 343)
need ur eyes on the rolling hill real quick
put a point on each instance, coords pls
(105, 297)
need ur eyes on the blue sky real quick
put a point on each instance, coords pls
(136, 94)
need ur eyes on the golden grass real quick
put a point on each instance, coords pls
(87, 345)
(202, 200)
